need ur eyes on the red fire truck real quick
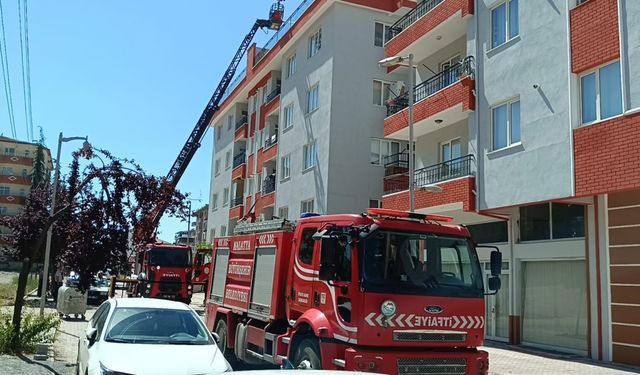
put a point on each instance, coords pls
(387, 292)
(165, 272)
(201, 266)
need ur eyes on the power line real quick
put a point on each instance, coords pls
(5, 75)
(26, 69)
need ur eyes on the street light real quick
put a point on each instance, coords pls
(407, 61)
(86, 147)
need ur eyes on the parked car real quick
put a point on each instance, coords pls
(148, 336)
(99, 292)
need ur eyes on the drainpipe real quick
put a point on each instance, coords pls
(572, 177)
(479, 56)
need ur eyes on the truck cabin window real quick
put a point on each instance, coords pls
(306, 246)
(418, 263)
(336, 258)
(169, 257)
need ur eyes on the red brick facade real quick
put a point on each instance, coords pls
(18, 180)
(594, 34)
(461, 92)
(607, 156)
(239, 172)
(268, 109)
(428, 22)
(241, 133)
(460, 190)
(250, 165)
(236, 212)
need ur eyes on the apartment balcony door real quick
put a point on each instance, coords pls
(452, 75)
(450, 150)
(497, 306)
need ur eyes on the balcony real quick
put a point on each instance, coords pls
(237, 201)
(236, 210)
(427, 28)
(273, 94)
(269, 185)
(242, 121)
(448, 94)
(239, 159)
(242, 128)
(449, 170)
(270, 141)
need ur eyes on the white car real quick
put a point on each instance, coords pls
(148, 336)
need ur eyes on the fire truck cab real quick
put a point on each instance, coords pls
(386, 292)
(165, 272)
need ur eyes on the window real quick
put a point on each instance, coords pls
(9, 151)
(313, 98)
(7, 171)
(218, 131)
(225, 197)
(381, 34)
(288, 116)
(309, 155)
(223, 230)
(374, 203)
(450, 150)
(227, 160)
(283, 212)
(506, 124)
(496, 232)
(504, 23)
(381, 92)
(382, 149)
(290, 69)
(217, 168)
(306, 206)
(551, 221)
(214, 202)
(601, 93)
(285, 167)
(23, 193)
(335, 256)
(212, 235)
(230, 122)
(5, 190)
(3, 210)
(25, 173)
(27, 153)
(315, 42)
(305, 253)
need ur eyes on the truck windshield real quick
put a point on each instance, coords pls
(418, 263)
(170, 257)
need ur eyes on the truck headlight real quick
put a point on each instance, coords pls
(388, 308)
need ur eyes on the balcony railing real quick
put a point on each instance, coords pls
(241, 121)
(448, 170)
(434, 84)
(239, 159)
(237, 201)
(424, 7)
(273, 94)
(270, 141)
(396, 164)
(269, 185)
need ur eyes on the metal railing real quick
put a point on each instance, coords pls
(232, 86)
(269, 185)
(434, 84)
(237, 201)
(396, 164)
(448, 170)
(239, 159)
(273, 94)
(424, 7)
(241, 121)
(270, 141)
(284, 28)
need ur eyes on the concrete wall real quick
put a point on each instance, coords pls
(428, 146)
(220, 216)
(539, 55)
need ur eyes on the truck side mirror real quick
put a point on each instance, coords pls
(92, 335)
(496, 263)
(494, 283)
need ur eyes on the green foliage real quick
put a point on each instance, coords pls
(8, 291)
(35, 329)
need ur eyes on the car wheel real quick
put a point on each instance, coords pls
(308, 355)
(222, 331)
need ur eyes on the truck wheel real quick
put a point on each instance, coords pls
(308, 355)
(221, 330)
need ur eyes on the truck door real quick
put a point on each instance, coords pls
(304, 270)
(334, 291)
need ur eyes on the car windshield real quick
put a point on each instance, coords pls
(170, 257)
(100, 283)
(156, 326)
(419, 263)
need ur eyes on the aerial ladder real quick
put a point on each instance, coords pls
(192, 144)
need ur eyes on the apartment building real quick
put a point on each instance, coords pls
(526, 130)
(201, 224)
(16, 168)
(294, 133)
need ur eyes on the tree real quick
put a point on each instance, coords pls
(97, 207)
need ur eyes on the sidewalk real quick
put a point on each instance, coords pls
(504, 359)
(65, 348)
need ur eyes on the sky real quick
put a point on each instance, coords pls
(133, 76)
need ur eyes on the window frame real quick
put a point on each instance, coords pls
(214, 202)
(226, 193)
(287, 117)
(598, 104)
(285, 168)
(450, 142)
(291, 65)
(314, 43)
(509, 103)
(284, 209)
(550, 211)
(2, 190)
(389, 143)
(230, 122)
(314, 88)
(307, 202)
(217, 166)
(382, 99)
(309, 159)
(227, 160)
(385, 33)
(507, 23)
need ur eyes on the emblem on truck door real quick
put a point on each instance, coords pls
(433, 309)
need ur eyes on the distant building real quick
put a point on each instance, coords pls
(201, 216)
(185, 238)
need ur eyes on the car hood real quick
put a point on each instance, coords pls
(145, 359)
